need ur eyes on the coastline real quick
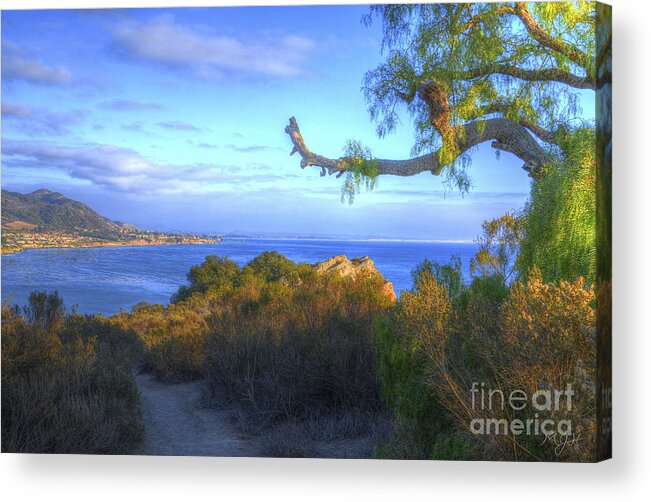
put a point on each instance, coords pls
(4, 251)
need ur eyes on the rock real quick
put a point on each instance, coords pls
(354, 268)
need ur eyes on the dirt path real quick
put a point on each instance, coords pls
(177, 425)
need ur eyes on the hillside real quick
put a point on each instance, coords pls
(52, 211)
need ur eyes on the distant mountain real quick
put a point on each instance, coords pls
(53, 211)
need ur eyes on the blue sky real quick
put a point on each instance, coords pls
(173, 119)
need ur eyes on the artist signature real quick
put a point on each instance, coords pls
(561, 441)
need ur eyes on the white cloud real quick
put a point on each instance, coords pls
(167, 42)
(125, 169)
(17, 66)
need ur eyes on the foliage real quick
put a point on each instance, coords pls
(361, 170)
(439, 42)
(499, 246)
(270, 266)
(547, 340)
(173, 336)
(560, 216)
(402, 365)
(448, 275)
(533, 335)
(215, 274)
(67, 384)
(544, 324)
(44, 310)
(287, 349)
(487, 61)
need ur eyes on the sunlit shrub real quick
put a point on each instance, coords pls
(173, 337)
(547, 341)
(534, 335)
(286, 348)
(270, 266)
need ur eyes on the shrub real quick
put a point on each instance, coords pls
(534, 335)
(408, 341)
(284, 349)
(448, 275)
(215, 274)
(46, 311)
(270, 266)
(548, 341)
(499, 244)
(67, 386)
(173, 337)
(347, 434)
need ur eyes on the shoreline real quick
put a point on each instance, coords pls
(7, 252)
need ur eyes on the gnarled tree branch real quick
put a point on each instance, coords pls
(543, 74)
(551, 137)
(504, 134)
(408, 167)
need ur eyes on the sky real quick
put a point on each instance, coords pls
(173, 120)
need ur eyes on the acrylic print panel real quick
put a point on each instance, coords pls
(428, 276)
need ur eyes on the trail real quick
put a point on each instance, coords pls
(176, 424)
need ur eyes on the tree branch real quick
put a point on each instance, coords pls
(478, 18)
(558, 45)
(504, 134)
(543, 74)
(543, 134)
(408, 167)
(574, 54)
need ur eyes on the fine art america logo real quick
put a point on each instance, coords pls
(542, 402)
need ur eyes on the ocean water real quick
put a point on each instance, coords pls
(109, 279)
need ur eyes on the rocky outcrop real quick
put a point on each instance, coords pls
(354, 268)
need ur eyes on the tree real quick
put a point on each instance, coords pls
(215, 274)
(508, 73)
(449, 275)
(499, 245)
(270, 265)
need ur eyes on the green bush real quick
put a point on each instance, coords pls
(174, 336)
(270, 266)
(449, 275)
(215, 274)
